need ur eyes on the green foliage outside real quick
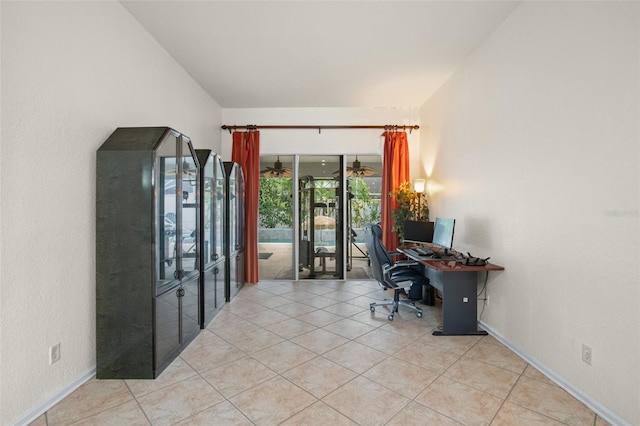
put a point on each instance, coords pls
(364, 208)
(325, 192)
(275, 202)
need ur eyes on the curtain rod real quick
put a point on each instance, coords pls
(393, 127)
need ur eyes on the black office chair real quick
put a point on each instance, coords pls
(404, 269)
(391, 275)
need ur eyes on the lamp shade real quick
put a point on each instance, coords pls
(419, 185)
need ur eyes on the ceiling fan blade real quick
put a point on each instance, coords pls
(274, 172)
(364, 171)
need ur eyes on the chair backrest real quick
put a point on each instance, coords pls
(377, 253)
(376, 230)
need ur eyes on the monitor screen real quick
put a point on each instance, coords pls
(418, 231)
(443, 232)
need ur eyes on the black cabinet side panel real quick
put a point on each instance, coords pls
(124, 264)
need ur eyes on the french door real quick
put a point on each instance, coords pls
(311, 212)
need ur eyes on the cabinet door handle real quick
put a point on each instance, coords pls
(215, 256)
(176, 274)
(216, 270)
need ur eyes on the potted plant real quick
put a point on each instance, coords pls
(410, 205)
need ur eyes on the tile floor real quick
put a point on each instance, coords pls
(311, 353)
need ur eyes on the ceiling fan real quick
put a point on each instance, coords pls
(277, 171)
(358, 170)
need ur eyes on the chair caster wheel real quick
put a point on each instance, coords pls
(390, 317)
(372, 308)
(419, 314)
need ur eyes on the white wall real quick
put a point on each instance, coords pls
(336, 141)
(71, 73)
(535, 143)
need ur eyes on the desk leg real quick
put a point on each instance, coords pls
(459, 304)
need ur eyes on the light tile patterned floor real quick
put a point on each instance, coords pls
(311, 353)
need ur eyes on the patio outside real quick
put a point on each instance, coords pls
(275, 233)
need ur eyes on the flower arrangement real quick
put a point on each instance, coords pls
(410, 205)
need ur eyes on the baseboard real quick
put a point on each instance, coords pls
(53, 399)
(593, 404)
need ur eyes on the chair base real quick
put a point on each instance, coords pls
(395, 303)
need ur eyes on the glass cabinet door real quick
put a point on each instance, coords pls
(188, 242)
(208, 207)
(233, 213)
(166, 212)
(219, 196)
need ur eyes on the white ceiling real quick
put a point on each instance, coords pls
(267, 54)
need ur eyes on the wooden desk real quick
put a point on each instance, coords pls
(458, 285)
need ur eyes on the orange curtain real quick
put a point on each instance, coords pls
(395, 170)
(246, 152)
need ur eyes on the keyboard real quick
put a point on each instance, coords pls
(419, 251)
(424, 252)
(411, 252)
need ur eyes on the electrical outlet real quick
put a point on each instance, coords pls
(54, 353)
(586, 354)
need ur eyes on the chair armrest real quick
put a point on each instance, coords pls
(406, 285)
(390, 268)
(406, 263)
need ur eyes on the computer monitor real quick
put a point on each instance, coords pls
(418, 231)
(443, 233)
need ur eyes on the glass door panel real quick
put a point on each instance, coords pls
(188, 241)
(233, 213)
(218, 197)
(208, 172)
(166, 211)
(364, 182)
(275, 218)
(320, 217)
